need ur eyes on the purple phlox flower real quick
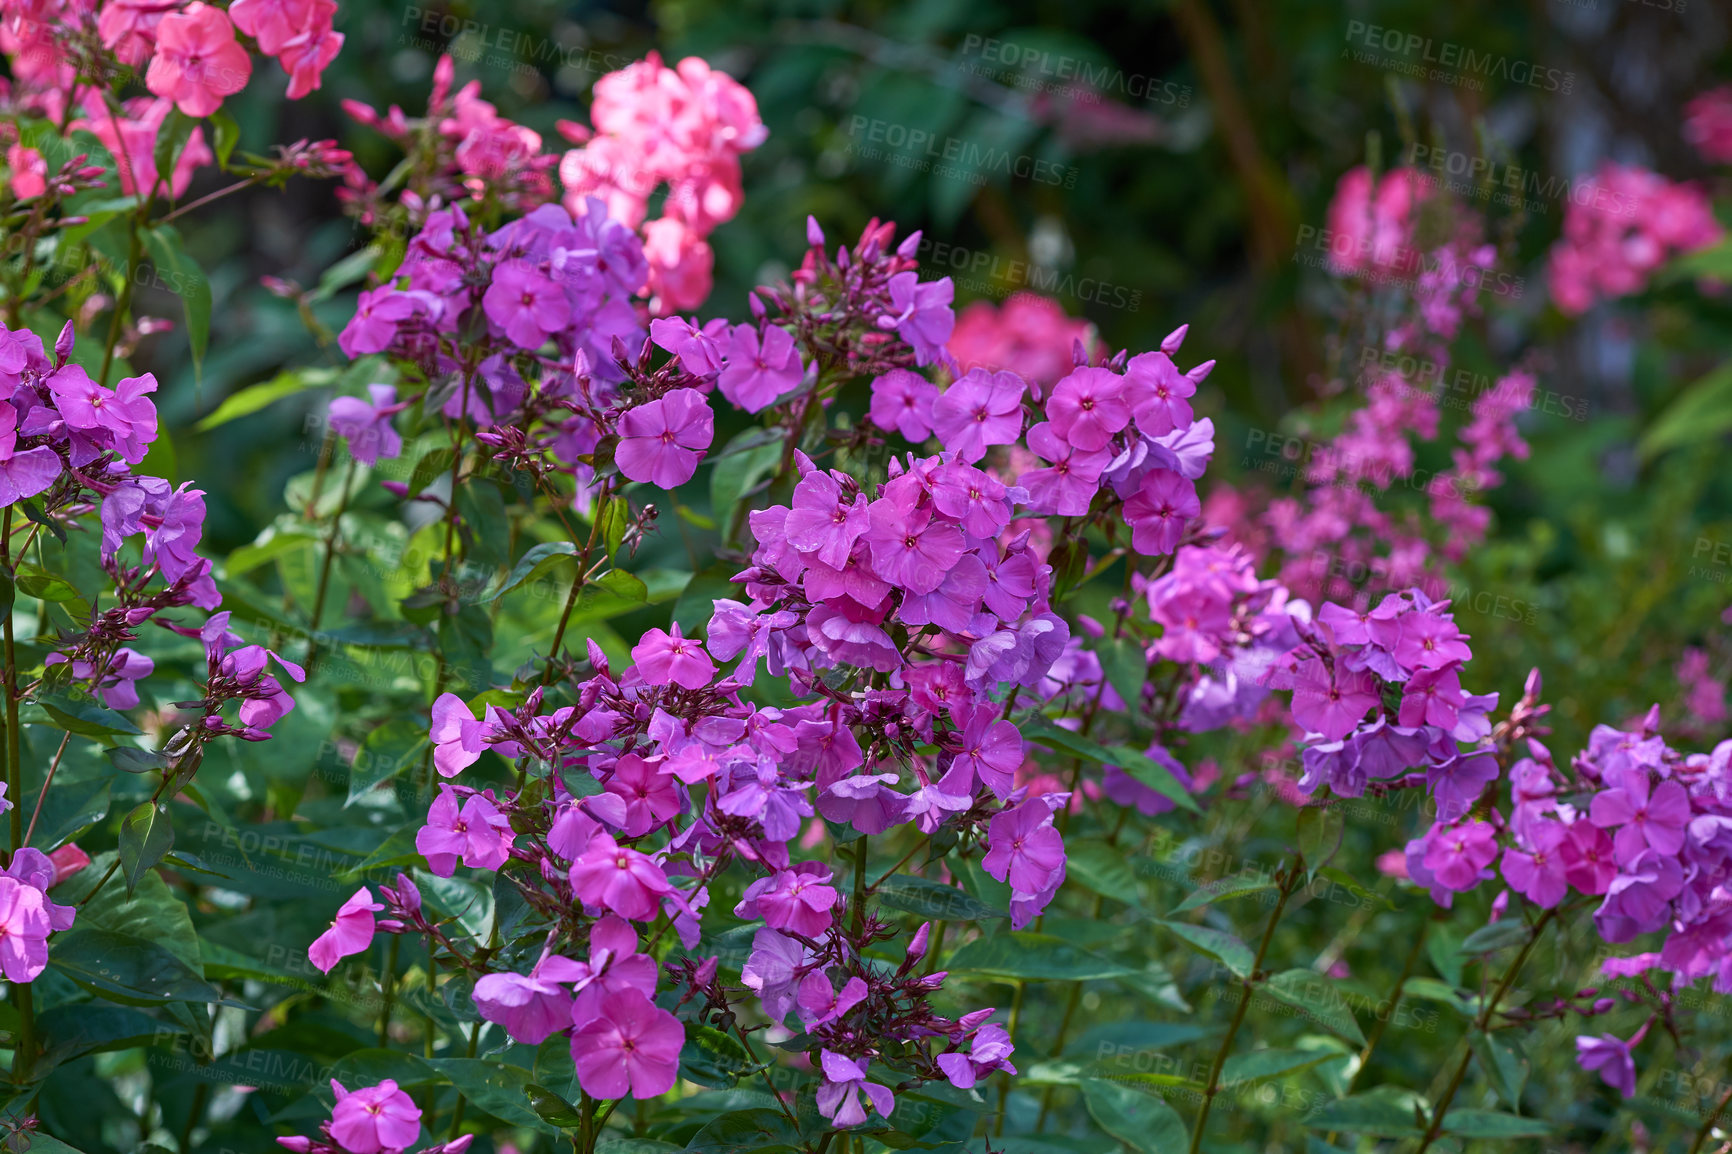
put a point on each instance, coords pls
(923, 315)
(477, 833)
(374, 1118)
(902, 400)
(762, 364)
(844, 1083)
(989, 1052)
(367, 424)
(980, 410)
(1647, 816)
(819, 1002)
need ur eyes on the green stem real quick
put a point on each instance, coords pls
(325, 569)
(135, 252)
(1004, 1078)
(1289, 883)
(1383, 1021)
(25, 1055)
(389, 982)
(1485, 1015)
(1708, 1123)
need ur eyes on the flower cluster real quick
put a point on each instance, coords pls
(1708, 124)
(684, 128)
(1621, 225)
(1029, 333)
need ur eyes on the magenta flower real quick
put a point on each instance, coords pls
(797, 900)
(125, 412)
(1088, 406)
(1589, 863)
(664, 658)
(760, 367)
(1431, 697)
(1430, 641)
(1158, 512)
(531, 1007)
(458, 739)
(1648, 816)
(351, 932)
(903, 400)
(923, 315)
(1067, 486)
(648, 792)
(24, 927)
(1024, 849)
(22, 475)
(1639, 899)
(479, 833)
(975, 499)
(914, 550)
(378, 315)
(1332, 708)
(1538, 873)
(525, 305)
(1610, 1057)
(1159, 394)
(980, 410)
(989, 1053)
(662, 442)
(819, 1002)
(1457, 782)
(992, 751)
(198, 62)
(1457, 856)
(620, 879)
(844, 1083)
(821, 523)
(367, 425)
(631, 1046)
(375, 1118)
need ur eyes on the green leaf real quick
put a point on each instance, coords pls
(553, 1109)
(714, 1059)
(185, 279)
(1496, 936)
(498, 1089)
(1464, 1123)
(352, 269)
(757, 1131)
(253, 398)
(1218, 944)
(152, 911)
(934, 900)
(1126, 667)
(1385, 1112)
(1033, 956)
(128, 759)
(1142, 1121)
(1259, 1066)
(435, 463)
(1104, 869)
(1223, 888)
(741, 465)
(84, 716)
(535, 563)
(228, 134)
(1146, 770)
(1318, 998)
(1320, 829)
(1701, 412)
(35, 581)
(615, 516)
(146, 834)
(171, 137)
(127, 969)
(387, 751)
(1504, 1065)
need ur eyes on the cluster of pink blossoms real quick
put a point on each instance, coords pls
(1029, 333)
(1621, 225)
(684, 128)
(1708, 124)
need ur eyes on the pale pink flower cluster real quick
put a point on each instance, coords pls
(1621, 225)
(685, 128)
